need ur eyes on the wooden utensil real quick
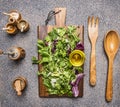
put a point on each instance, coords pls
(93, 35)
(111, 45)
(42, 32)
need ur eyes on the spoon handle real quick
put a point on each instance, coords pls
(109, 88)
(93, 67)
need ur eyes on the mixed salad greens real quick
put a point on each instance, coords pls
(59, 76)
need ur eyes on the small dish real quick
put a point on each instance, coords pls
(77, 58)
(23, 25)
(19, 85)
(11, 28)
(18, 53)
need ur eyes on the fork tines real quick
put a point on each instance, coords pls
(93, 21)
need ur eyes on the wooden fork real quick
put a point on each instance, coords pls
(93, 35)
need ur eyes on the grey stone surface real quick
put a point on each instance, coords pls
(35, 12)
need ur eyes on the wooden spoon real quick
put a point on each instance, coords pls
(111, 44)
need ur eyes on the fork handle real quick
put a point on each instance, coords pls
(93, 67)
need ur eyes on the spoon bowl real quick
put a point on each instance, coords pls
(111, 45)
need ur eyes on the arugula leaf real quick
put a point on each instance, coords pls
(61, 31)
(47, 39)
(34, 60)
(40, 42)
(38, 73)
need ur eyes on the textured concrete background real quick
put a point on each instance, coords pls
(35, 12)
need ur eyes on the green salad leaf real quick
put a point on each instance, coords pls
(57, 71)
